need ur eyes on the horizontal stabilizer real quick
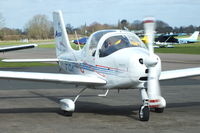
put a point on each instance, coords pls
(37, 60)
(182, 73)
(31, 60)
(53, 77)
(18, 47)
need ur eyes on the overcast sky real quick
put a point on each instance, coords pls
(78, 12)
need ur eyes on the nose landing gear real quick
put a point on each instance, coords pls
(144, 113)
(158, 105)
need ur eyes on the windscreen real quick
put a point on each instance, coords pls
(115, 43)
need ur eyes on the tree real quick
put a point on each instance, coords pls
(162, 27)
(39, 27)
(137, 25)
(70, 29)
(2, 21)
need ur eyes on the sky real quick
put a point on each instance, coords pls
(78, 12)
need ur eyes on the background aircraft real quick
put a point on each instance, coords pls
(170, 39)
(81, 41)
(192, 39)
(111, 59)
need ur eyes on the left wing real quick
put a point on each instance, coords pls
(182, 73)
(13, 48)
(53, 77)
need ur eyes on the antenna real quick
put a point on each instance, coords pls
(79, 46)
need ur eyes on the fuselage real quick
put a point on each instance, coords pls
(122, 69)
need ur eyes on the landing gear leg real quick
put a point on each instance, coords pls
(68, 105)
(144, 111)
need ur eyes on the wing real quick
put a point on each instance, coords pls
(53, 77)
(13, 48)
(182, 73)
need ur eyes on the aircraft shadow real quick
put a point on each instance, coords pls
(130, 111)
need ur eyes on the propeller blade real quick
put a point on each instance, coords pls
(149, 27)
(153, 86)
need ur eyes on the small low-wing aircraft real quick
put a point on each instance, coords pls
(111, 59)
(18, 47)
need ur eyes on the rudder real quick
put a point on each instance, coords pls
(195, 35)
(60, 34)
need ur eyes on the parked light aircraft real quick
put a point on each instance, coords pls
(170, 39)
(192, 39)
(19, 47)
(111, 59)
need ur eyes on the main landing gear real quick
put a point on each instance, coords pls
(68, 105)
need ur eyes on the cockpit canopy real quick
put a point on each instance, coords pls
(107, 42)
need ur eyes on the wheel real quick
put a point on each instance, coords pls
(144, 113)
(67, 113)
(159, 110)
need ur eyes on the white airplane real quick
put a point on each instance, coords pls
(111, 59)
(192, 39)
(19, 47)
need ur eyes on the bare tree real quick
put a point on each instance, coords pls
(39, 27)
(2, 21)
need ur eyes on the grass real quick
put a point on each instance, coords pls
(192, 48)
(47, 46)
(20, 43)
(12, 43)
(74, 46)
(4, 64)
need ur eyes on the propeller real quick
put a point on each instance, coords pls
(154, 93)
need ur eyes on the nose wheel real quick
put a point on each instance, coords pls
(144, 113)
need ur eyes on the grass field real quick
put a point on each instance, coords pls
(4, 64)
(192, 48)
(74, 46)
(20, 43)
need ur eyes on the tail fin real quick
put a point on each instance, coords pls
(61, 37)
(195, 35)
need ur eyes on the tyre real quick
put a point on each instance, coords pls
(67, 113)
(159, 110)
(144, 113)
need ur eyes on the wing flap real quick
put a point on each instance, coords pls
(53, 77)
(182, 73)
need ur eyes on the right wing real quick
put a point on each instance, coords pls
(53, 77)
(13, 48)
(181, 73)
